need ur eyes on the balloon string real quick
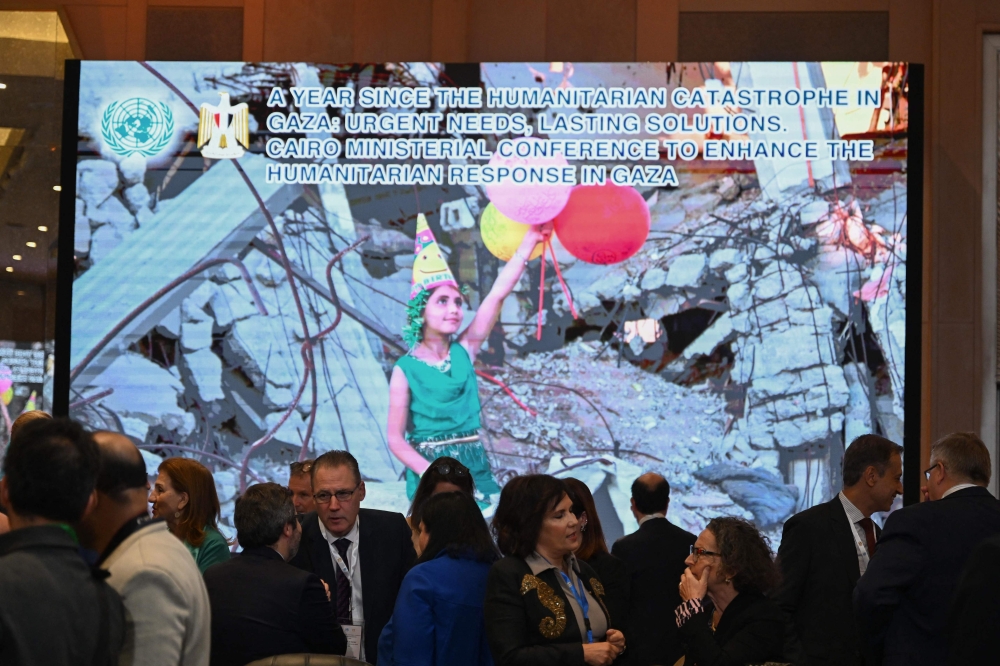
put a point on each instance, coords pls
(541, 298)
(562, 283)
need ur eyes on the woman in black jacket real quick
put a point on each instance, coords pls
(543, 606)
(729, 570)
(594, 551)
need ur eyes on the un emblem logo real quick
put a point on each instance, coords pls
(137, 125)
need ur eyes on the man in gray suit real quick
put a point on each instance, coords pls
(168, 622)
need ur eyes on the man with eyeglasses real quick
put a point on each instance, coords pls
(362, 554)
(827, 548)
(902, 601)
(300, 483)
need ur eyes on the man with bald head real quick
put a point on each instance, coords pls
(166, 603)
(655, 557)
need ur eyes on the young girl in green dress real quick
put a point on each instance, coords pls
(433, 395)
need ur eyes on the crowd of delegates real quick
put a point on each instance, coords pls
(100, 567)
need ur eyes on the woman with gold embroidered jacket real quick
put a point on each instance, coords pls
(543, 606)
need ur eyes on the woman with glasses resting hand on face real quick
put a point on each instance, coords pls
(544, 607)
(725, 619)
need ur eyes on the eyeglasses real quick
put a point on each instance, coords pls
(698, 552)
(446, 469)
(303, 467)
(324, 497)
(927, 472)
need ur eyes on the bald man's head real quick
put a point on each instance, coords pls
(651, 493)
(122, 469)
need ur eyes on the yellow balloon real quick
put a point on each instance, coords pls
(502, 235)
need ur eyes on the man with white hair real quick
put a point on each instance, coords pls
(902, 600)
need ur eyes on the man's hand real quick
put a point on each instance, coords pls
(327, 588)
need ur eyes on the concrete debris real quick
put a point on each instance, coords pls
(764, 494)
(136, 197)
(132, 169)
(205, 370)
(460, 214)
(686, 270)
(96, 180)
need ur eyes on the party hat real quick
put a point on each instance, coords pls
(430, 270)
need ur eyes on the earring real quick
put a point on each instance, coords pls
(729, 581)
(177, 514)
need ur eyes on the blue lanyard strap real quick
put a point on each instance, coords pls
(581, 598)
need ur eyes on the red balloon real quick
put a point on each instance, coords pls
(603, 224)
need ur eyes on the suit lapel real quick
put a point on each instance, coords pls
(367, 534)
(843, 540)
(319, 552)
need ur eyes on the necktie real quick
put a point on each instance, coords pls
(343, 582)
(869, 528)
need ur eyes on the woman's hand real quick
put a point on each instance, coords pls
(538, 233)
(617, 639)
(692, 587)
(599, 654)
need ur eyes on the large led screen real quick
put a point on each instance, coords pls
(720, 299)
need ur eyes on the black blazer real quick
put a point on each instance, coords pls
(613, 575)
(50, 602)
(902, 600)
(385, 555)
(654, 556)
(263, 606)
(529, 621)
(974, 620)
(819, 569)
(751, 631)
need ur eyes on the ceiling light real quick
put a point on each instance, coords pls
(17, 257)
(20, 293)
(43, 228)
(10, 269)
(31, 244)
(57, 188)
(2, 86)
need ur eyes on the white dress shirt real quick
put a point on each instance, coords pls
(854, 516)
(955, 489)
(650, 516)
(353, 565)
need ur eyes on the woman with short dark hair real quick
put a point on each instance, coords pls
(438, 617)
(543, 606)
(184, 496)
(725, 619)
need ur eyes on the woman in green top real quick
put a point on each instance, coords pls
(184, 496)
(433, 395)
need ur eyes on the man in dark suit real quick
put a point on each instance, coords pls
(655, 557)
(362, 554)
(261, 605)
(902, 601)
(826, 549)
(53, 608)
(975, 611)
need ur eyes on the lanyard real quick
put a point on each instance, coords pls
(340, 562)
(580, 594)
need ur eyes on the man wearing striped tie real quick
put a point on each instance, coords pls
(362, 554)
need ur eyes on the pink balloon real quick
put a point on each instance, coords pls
(528, 204)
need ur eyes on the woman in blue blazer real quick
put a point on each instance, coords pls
(438, 618)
